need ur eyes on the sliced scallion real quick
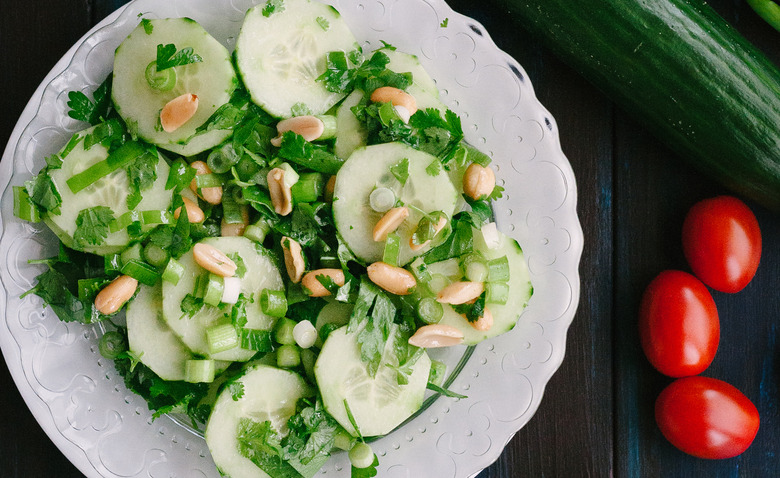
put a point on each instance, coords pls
(288, 356)
(24, 208)
(160, 80)
(141, 271)
(283, 331)
(112, 344)
(498, 269)
(429, 310)
(221, 337)
(173, 271)
(214, 289)
(308, 188)
(392, 249)
(273, 302)
(199, 371)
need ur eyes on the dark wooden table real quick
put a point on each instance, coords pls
(596, 417)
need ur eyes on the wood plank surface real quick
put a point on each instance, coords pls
(596, 418)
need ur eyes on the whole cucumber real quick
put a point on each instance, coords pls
(683, 71)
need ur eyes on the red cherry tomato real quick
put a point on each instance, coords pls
(678, 324)
(707, 418)
(722, 242)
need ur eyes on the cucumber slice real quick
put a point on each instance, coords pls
(212, 80)
(336, 313)
(150, 338)
(378, 404)
(110, 191)
(520, 290)
(280, 55)
(261, 273)
(350, 133)
(269, 394)
(401, 62)
(368, 168)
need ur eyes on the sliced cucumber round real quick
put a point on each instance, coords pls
(520, 289)
(270, 394)
(261, 273)
(212, 80)
(350, 133)
(377, 404)
(401, 62)
(281, 51)
(368, 168)
(150, 338)
(110, 191)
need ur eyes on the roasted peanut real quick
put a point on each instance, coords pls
(460, 292)
(113, 296)
(178, 111)
(395, 280)
(293, 259)
(213, 260)
(212, 195)
(478, 181)
(281, 195)
(436, 335)
(310, 127)
(390, 222)
(194, 213)
(236, 229)
(389, 94)
(314, 288)
(485, 322)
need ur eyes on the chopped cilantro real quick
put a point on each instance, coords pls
(315, 157)
(240, 265)
(401, 171)
(168, 57)
(300, 109)
(92, 226)
(472, 311)
(44, 192)
(444, 23)
(273, 6)
(323, 23)
(141, 173)
(434, 168)
(236, 390)
(148, 26)
(367, 472)
(180, 176)
(84, 109)
(191, 305)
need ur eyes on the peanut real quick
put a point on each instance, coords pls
(389, 94)
(436, 335)
(390, 222)
(485, 322)
(212, 195)
(236, 229)
(314, 287)
(281, 195)
(113, 296)
(395, 280)
(213, 260)
(178, 111)
(293, 259)
(194, 213)
(310, 127)
(478, 181)
(460, 292)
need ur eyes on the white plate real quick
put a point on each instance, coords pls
(81, 402)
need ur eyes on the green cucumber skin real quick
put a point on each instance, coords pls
(684, 72)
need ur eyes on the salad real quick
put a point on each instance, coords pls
(277, 238)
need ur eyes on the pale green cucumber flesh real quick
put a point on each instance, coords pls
(401, 62)
(368, 168)
(504, 316)
(336, 313)
(351, 133)
(213, 81)
(151, 340)
(280, 56)
(110, 191)
(261, 273)
(377, 404)
(270, 394)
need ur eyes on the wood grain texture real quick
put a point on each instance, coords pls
(596, 418)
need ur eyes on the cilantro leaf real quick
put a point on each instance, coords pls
(323, 23)
(43, 192)
(141, 173)
(180, 176)
(168, 57)
(401, 171)
(109, 133)
(312, 432)
(240, 265)
(191, 305)
(472, 311)
(315, 157)
(375, 312)
(84, 109)
(92, 226)
(368, 75)
(458, 243)
(273, 6)
(236, 390)
(148, 26)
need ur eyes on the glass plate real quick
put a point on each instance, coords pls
(105, 430)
